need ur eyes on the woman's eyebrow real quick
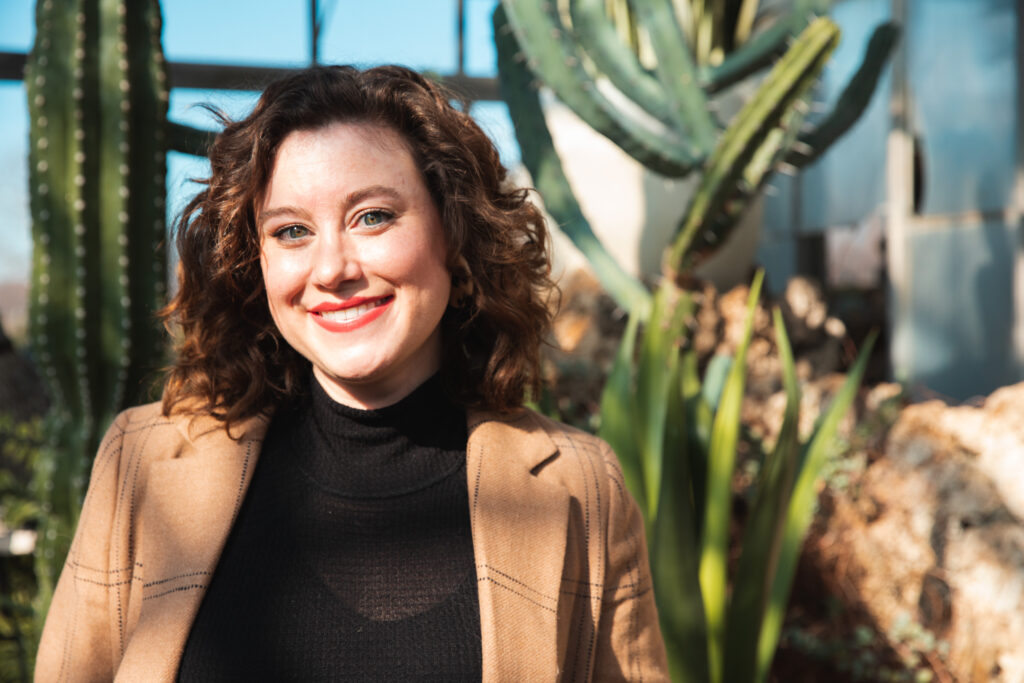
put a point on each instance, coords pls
(281, 211)
(371, 191)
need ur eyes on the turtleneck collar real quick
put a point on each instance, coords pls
(389, 451)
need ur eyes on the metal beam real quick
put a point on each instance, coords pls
(12, 65)
(236, 77)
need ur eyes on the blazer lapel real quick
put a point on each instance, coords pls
(186, 514)
(519, 525)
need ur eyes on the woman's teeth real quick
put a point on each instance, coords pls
(346, 314)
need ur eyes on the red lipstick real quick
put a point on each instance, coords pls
(378, 306)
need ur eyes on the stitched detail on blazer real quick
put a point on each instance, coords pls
(174, 578)
(241, 483)
(569, 579)
(179, 589)
(476, 484)
(69, 634)
(594, 460)
(134, 465)
(515, 581)
(624, 586)
(105, 584)
(79, 565)
(114, 444)
(513, 590)
(68, 637)
(634, 541)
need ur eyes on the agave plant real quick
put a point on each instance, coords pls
(657, 104)
(677, 442)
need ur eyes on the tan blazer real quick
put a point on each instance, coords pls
(561, 561)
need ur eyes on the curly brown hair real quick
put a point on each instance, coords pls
(232, 361)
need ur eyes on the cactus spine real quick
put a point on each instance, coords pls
(661, 116)
(97, 92)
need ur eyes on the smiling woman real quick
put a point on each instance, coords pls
(353, 259)
(341, 481)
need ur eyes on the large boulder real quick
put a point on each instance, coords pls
(933, 533)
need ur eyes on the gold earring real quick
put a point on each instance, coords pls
(462, 284)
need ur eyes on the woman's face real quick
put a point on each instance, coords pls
(353, 259)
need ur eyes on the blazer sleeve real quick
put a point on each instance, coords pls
(79, 638)
(629, 643)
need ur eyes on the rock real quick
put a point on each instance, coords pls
(933, 532)
(804, 310)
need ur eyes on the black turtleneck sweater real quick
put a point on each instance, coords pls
(351, 558)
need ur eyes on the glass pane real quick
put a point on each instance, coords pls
(481, 59)
(421, 35)
(17, 242)
(962, 76)
(17, 25)
(185, 105)
(265, 32)
(184, 108)
(182, 171)
(960, 348)
(493, 117)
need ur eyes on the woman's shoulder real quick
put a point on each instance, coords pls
(551, 448)
(150, 433)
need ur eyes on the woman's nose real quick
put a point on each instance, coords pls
(337, 261)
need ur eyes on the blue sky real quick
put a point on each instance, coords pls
(421, 34)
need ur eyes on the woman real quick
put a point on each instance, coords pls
(341, 481)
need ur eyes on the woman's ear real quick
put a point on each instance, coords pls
(462, 284)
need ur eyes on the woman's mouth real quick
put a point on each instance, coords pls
(344, 315)
(352, 317)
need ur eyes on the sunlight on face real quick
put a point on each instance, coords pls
(353, 260)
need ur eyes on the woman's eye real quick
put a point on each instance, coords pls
(291, 232)
(374, 219)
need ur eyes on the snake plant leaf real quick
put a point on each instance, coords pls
(762, 538)
(721, 463)
(541, 159)
(674, 548)
(699, 418)
(714, 379)
(801, 509)
(660, 344)
(617, 424)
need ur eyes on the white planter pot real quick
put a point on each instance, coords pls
(632, 210)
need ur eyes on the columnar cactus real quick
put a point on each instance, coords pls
(97, 94)
(663, 116)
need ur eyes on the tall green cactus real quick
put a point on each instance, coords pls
(663, 117)
(97, 94)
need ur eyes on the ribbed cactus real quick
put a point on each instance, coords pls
(663, 116)
(97, 94)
